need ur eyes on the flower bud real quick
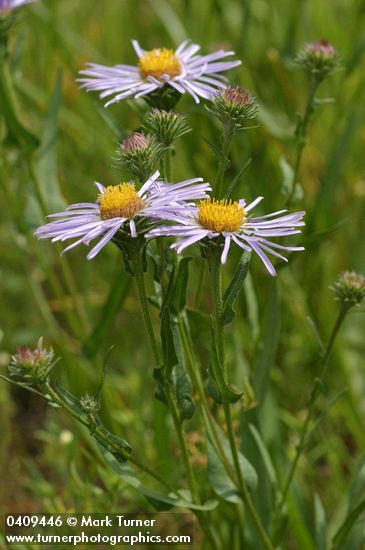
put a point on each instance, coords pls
(319, 58)
(166, 126)
(33, 365)
(139, 154)
(349, 288)
(234, 106)
(135, 142)
(89, 404)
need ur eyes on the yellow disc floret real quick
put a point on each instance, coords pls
(120, 201)
(220, 215)
(159, 62)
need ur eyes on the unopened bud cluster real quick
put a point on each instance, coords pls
(349, 288)
(32, 365)
(139, 154)
(166, 126)
(89, 404)
(234, 106)
(319, 58)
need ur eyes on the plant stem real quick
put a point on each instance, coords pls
(224, 162)
(170, 397)
(138, 272)
(196, 377)
(300, 132)
(218, 330)
(56, 398)
(316, 390)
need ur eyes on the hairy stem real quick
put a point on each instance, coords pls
(218, 330)
(224, 162)
(301, 133)
(316, 390)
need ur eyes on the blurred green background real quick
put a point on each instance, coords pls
(49, 462)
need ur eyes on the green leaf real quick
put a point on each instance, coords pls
(181, 379)
(220, 481)
(178, 297)
(16, 131)
(168, 347)
(217, 387)
(269, 347)
(116, 440)
(287, 175)
(320, 524)
(173, 370)
(218, 152)
(266, 459)
(234, 288)
(236, 179)
(45, 158)
(70, 400)
(342, 534)
(158, 499)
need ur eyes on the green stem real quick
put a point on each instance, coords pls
(224, 163)
(197, 380)
(216, 288)
(56, 398)
(316, 390)
(139, 275)
(301, 132)
(170, 396)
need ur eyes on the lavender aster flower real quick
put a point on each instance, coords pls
(8, 5)
(229, 221)
(182, 70)
(122, 207)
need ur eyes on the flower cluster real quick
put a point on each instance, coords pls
(123, 208)
(167, 210)
(159, 209)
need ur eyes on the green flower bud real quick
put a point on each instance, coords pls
(320, 58)
(139, 154)
(33, 365)
(166, 126)
(349, 288)
(234, 106)
(89, 404)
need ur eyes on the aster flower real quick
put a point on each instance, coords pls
(7, 5)
(122, 207)
(228, 222)
(182, 70)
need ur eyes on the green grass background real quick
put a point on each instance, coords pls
(48, 461)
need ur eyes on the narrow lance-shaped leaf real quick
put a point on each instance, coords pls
(269, 347)
(320, 524)
(234, 288)
(218, 388)
(218, 477)
(160, 500)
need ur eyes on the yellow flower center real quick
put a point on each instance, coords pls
(120, 201)
(159, 62)
(220, 215)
